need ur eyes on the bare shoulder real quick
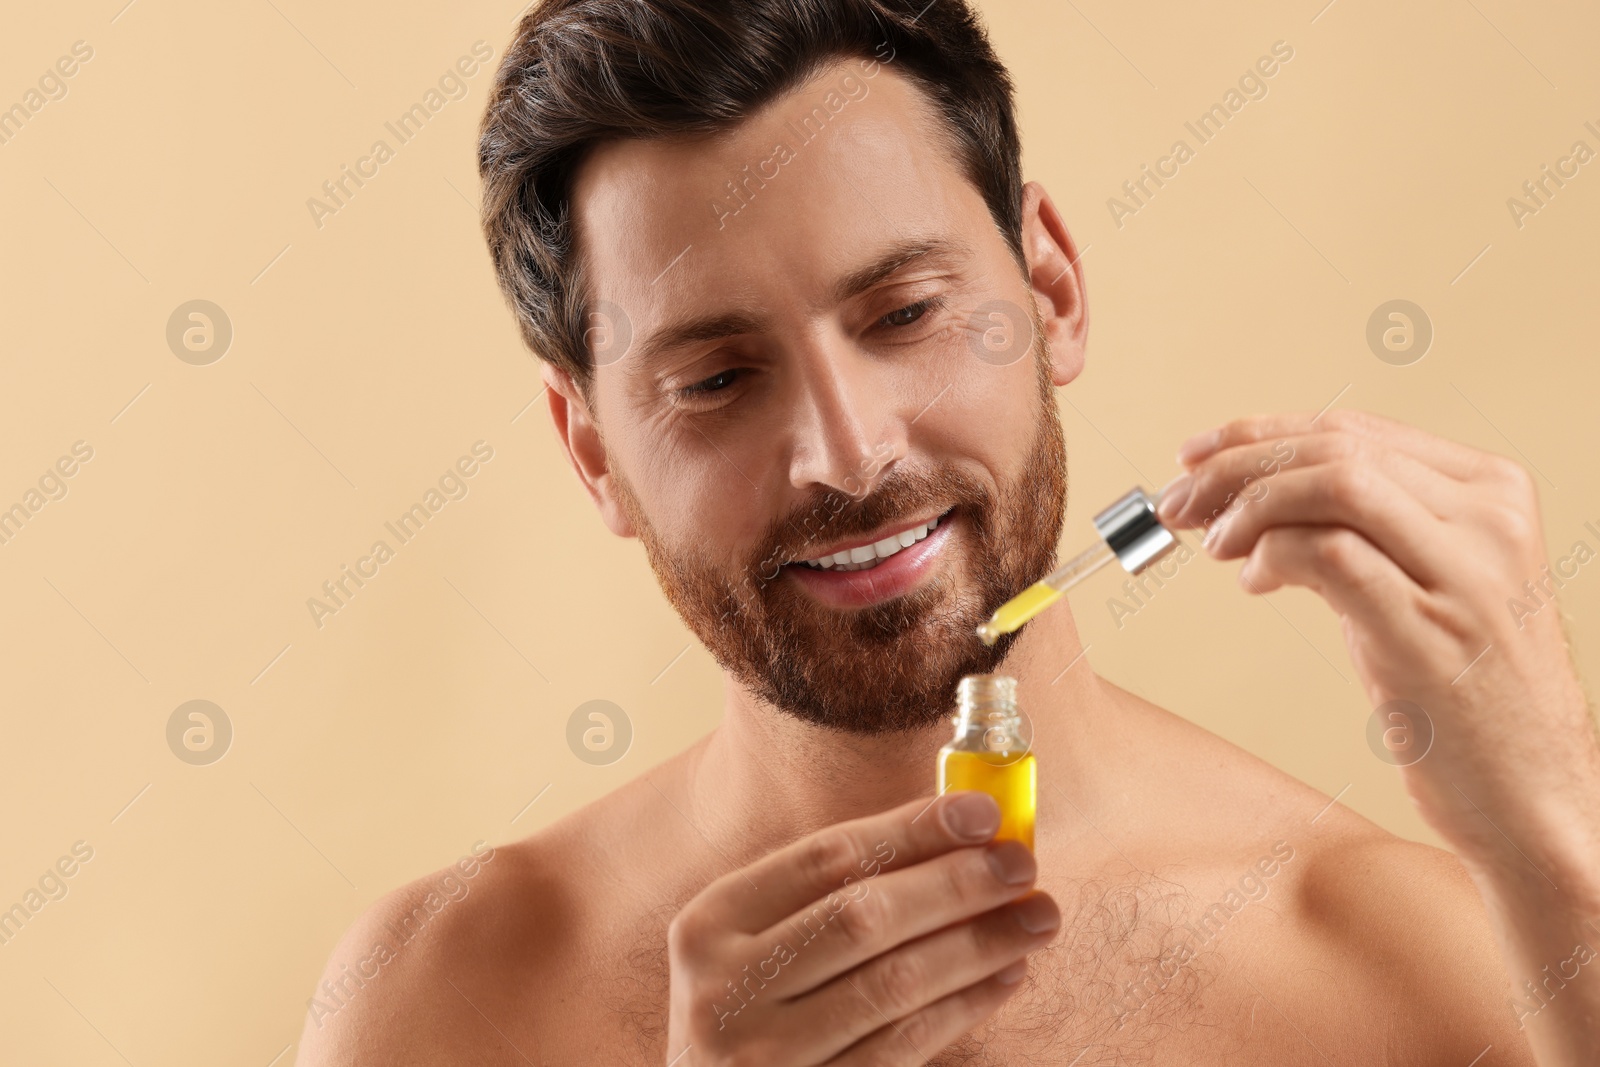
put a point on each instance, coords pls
(409, 973)
(1351, 939)
(1404, 922)
(1383, 944)
(496, 954)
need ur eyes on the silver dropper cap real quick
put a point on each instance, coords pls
(1134, 533)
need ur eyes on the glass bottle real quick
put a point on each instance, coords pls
(988, 753)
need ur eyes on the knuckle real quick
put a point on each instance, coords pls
(858, 922)
(827, 858)
(898, 984)
(1515, 477)
(1241, 430)
(965, 880)
(1506, 470)
(1272, 546)
(1347, 484)
(1276, 557)
(685, 934)
(847, 1012)
(1510, 524)
(1337, 549)
(920, 1030)
(991, 935)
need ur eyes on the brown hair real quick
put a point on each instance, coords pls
(584, 71)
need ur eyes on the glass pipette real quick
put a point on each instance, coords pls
(1129, 533)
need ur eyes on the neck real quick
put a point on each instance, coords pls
(781, 778)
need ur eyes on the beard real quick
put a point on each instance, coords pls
(894, 665)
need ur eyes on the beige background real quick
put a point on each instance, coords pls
(370, 353)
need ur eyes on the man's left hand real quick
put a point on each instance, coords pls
(1424, 548)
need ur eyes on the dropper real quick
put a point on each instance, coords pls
(1129, 533)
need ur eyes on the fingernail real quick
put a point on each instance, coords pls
(972, 816)
(1199, 447)
(1013, 973)
(1036, 914)
(1174, 496)
(1213, 535)
(1012, 863)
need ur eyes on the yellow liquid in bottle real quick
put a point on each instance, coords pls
(1010, 778)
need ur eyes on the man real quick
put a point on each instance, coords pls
(776, 255)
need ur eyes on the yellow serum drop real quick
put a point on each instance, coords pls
(989, 754)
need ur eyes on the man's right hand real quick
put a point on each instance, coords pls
(877, 941)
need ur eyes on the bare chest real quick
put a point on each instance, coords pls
(1060, 1017)
(1109, 990)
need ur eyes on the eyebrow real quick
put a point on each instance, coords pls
(897, 258)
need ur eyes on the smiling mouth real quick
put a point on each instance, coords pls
(866, 557)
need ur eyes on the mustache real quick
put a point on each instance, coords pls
(832, 515)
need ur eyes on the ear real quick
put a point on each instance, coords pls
(586, 451)
(1056, 273)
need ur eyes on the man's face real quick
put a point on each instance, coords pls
(833, 426)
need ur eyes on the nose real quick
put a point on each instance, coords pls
(848, 429)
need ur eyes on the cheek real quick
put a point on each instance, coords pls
(694, 498)
(986, 424)
(994, 410)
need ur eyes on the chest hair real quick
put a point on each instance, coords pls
(1100, 994)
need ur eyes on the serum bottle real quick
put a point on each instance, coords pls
(989, 754)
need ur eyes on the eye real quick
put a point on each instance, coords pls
(909, 314)
(716, 383)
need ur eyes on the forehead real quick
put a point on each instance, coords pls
(778, 207)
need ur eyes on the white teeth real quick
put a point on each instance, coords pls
(868, 556)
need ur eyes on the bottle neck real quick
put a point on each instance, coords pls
(987, 718)
(984, 695)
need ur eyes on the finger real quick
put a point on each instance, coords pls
(833, 859)
(899, 907)
(913, 976)
(1356, 579)
(1233, 471)
(1455, 460)
(918, 1038)
(1361, 499)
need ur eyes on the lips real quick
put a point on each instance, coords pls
(867, 556)
(863, 580)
